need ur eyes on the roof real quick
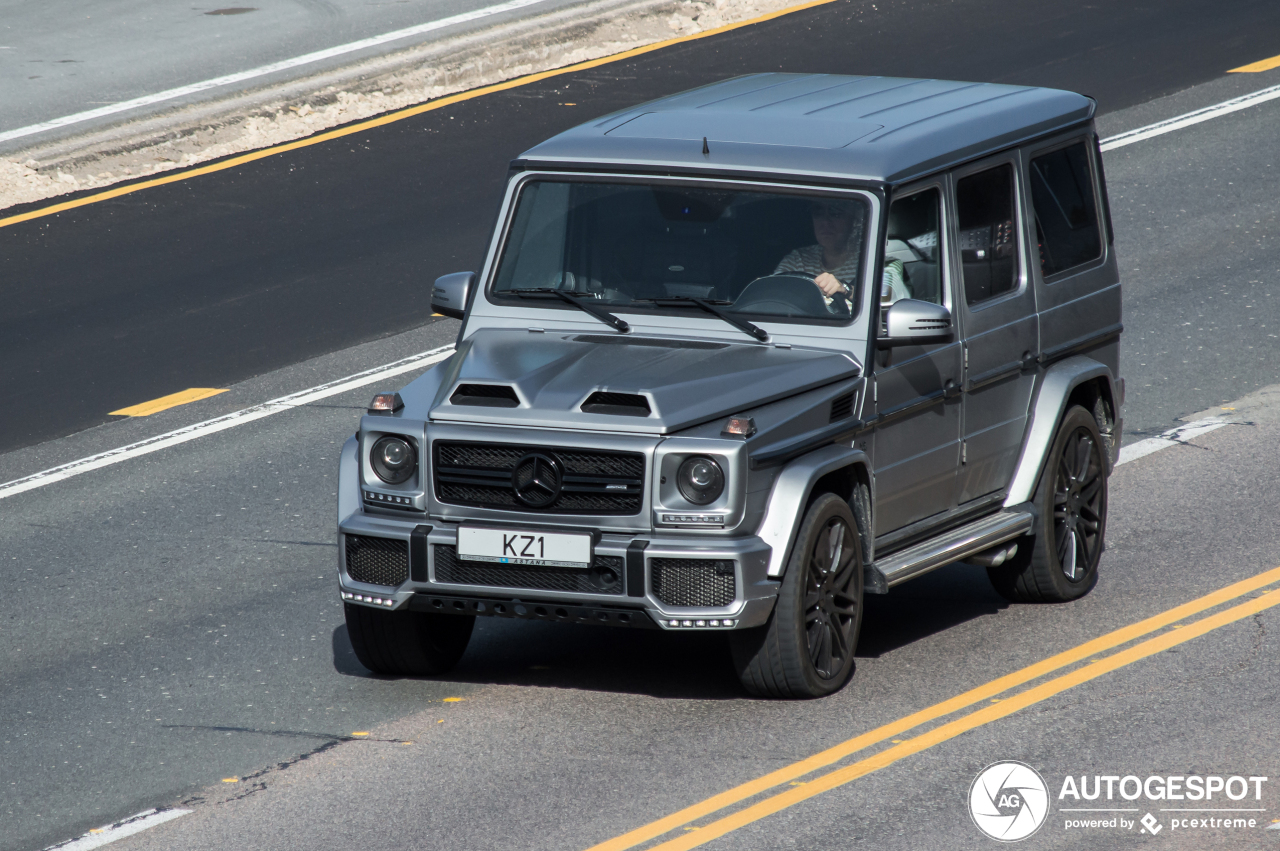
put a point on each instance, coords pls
(883, 129)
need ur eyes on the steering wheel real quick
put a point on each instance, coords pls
(787, 294)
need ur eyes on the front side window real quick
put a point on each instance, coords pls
(985, 218)
(912, 260)
(1066, 216)
(779, 256)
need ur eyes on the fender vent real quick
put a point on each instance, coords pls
(485, 396)
(842, 407)
(618, 404)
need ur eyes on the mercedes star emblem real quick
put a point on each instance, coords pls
(537, 480)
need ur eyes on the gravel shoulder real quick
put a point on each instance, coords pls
(181, 136)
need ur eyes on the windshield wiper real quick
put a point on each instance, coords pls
(709, 306)
(603, 315)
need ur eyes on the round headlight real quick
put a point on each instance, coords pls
(393, 459)
(701, 481)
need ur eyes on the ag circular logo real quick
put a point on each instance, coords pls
(1008, 801)
(537, 480)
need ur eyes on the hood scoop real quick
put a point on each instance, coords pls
(485, 396)
(507, 376)
(617, 404)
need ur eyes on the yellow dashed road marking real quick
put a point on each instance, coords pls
(164, 403)
(1255, 67)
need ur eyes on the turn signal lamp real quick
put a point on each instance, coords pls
(739, 427)
(386, 403)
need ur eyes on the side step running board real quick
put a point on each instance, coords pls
(949, 547)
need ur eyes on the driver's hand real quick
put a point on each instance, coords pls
(829, 284)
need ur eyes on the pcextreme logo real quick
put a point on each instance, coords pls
(1008, 801)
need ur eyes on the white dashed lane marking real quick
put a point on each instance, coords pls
(100, 836)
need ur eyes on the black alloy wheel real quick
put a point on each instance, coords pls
(830, 601)
(806, 649)
(1059, 560)
(1079, 500)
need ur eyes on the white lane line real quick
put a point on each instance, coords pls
(1172, 437)
(104, 835)
(226, 421)
(262, 71)
(1189, 118)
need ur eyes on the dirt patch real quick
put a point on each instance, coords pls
(249, 120)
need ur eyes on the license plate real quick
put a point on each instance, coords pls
(534, 549)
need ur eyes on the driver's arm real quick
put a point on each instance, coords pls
(893, 284)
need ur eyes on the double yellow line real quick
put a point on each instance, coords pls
(994, 710)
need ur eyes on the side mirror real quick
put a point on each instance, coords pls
(449, 294)
(911, 322)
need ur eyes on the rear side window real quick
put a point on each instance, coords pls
(988, 251)
(1066, 215)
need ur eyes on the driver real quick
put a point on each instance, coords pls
(833, 261)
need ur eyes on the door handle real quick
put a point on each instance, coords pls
(1029, 361)
(950, 390)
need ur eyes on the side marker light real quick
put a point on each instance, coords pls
(386, 403)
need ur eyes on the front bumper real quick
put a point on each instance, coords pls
(634, 603)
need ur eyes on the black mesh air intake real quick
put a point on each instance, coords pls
(378, 561)
(693, 581)
(603, 577)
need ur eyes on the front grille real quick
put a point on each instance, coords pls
(603, 577)
(594, 481)
(378, 561)
(693, 581)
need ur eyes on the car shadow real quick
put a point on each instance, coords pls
(683, 665)
(505, 651)
(926, 606)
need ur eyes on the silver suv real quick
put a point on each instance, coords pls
(736, 358)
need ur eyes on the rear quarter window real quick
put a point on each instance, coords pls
(1065, 209)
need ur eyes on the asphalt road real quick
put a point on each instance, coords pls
(171, 621)
(206, 283)
(64, 57)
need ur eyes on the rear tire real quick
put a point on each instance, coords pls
(1060, 562)
(806, 649)
(407, 643)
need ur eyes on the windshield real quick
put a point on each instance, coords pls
(769, 255)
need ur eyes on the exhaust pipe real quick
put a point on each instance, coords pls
(994, 557)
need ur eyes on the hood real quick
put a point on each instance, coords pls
(544, 380)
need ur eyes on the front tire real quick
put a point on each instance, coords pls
(806, 649)
(1060, 563)
(412, 644)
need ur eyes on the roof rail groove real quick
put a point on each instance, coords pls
(908, 84)
(946, 112)
(812, 93)
(915, 101)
